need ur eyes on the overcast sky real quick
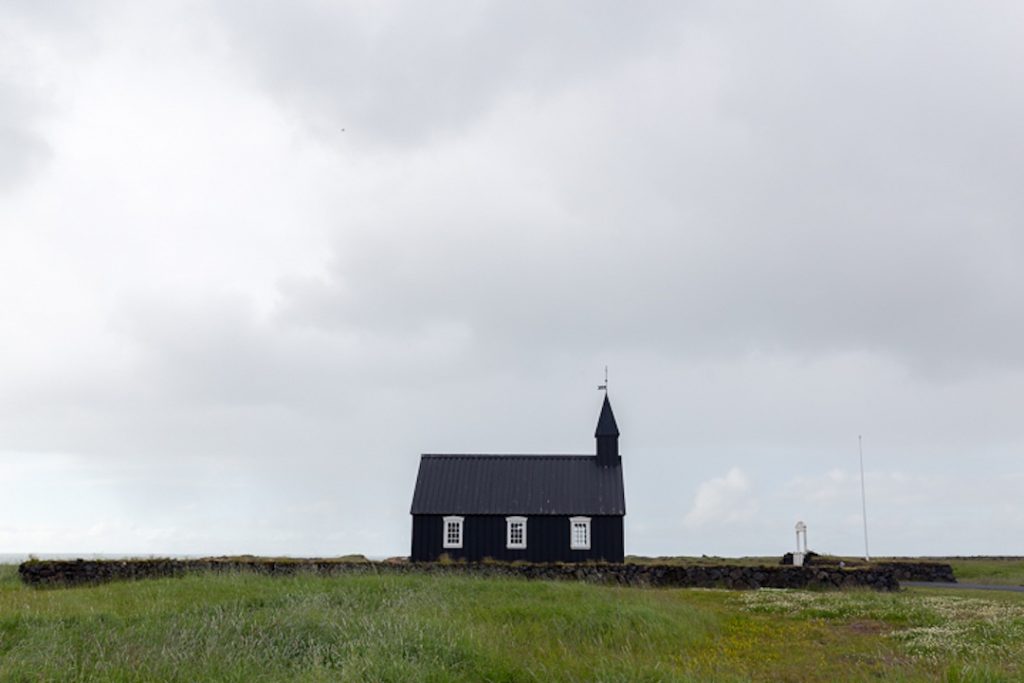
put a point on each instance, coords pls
(256, 257)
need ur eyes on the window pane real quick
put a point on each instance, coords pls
(515, 532)
(453, 532)
(580, 534)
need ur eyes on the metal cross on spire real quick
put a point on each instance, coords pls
(605, 385)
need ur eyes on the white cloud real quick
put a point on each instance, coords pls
(722, 501)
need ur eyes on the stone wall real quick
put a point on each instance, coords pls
(903, 569)
(83, 572)
(919, 571)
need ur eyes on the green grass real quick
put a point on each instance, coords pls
(993, 571)
(245, 627)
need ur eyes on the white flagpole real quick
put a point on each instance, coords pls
(863, 499)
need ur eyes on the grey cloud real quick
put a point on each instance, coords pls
(865, 199)
(29, 32)
(65, 16)
(23, 149)
(404, 74)
(779, 225)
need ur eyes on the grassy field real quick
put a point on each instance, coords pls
(417, 628)
(1007, 571)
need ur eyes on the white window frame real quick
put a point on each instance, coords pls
(573, 521)
(509, 522)
(451, 519)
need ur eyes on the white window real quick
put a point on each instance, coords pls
(452, 532)
(579, 533)
(515, 532)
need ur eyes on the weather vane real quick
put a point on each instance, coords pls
(605, 385)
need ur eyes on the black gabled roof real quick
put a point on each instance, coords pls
(517, 484)
(606, 422)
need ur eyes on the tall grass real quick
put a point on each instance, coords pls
(391, 628)
(246, 627)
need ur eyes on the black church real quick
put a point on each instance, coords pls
(537, 508)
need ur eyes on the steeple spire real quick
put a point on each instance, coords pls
(607, 435)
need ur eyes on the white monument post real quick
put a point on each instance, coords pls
(801, 551)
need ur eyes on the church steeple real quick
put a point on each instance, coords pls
(607, 435)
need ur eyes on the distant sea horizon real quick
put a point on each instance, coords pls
(18, 558)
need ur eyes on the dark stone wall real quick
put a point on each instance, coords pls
(919, 571)
(84, 572)
(904, 570)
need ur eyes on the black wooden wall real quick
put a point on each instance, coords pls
(547, 539)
